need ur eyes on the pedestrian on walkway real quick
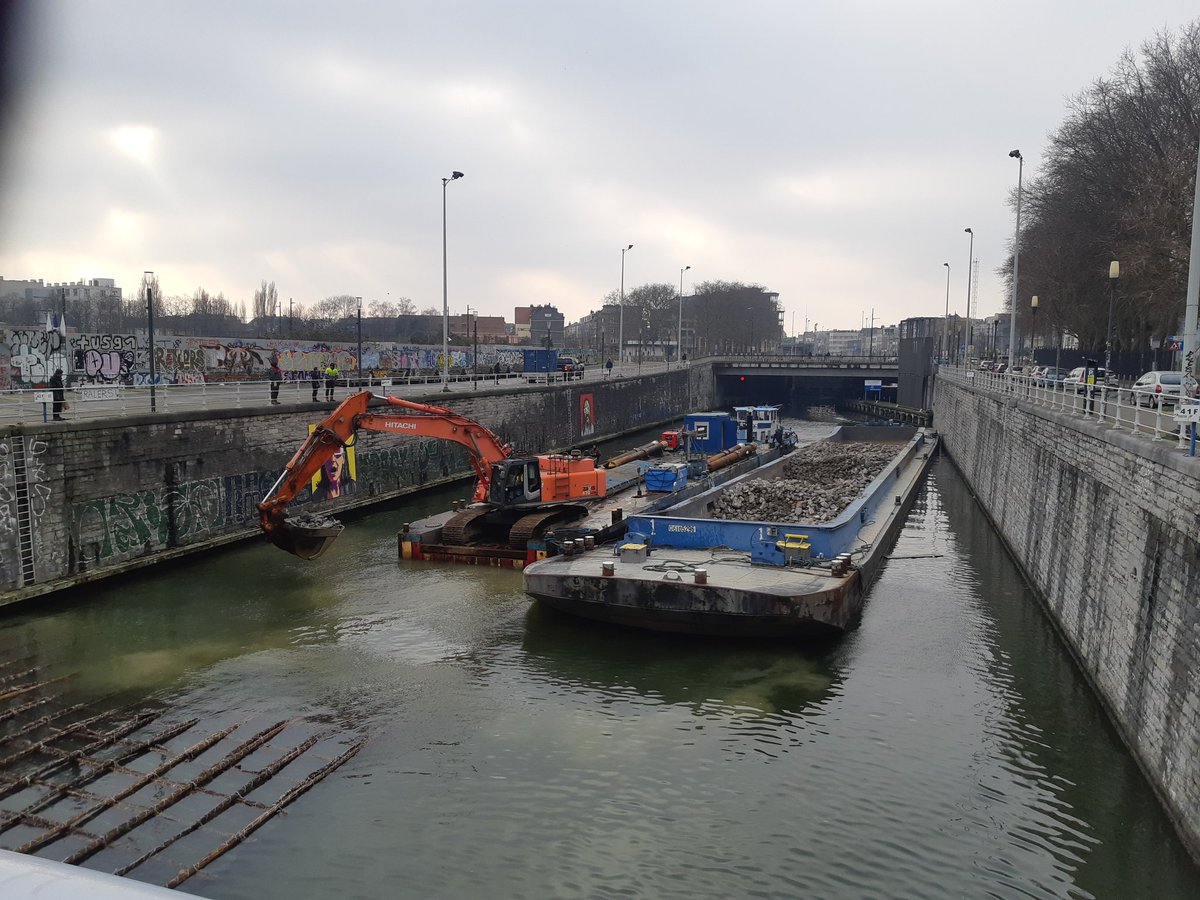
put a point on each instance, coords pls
(331, 375)
(496, 372)
(608, 368)
(276, 378)
(315, 377)
(60, 399)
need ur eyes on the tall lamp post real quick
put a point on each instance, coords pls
(1012, 322)
(445, 301)
(1033, 306)
(679, 333)
(995, 326)
(289, 317)
(1114, 272)
(750, 309)
(359, 299)
(621, 320)
(970, 263)
(150, 322)
(474, 320)
(946, 322)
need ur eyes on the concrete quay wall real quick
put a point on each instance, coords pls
(1106, 527)
(88, 500)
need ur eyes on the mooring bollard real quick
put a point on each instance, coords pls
(701, 576)
(607, 569)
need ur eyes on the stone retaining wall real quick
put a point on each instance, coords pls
(80, 501)
(1106, 527)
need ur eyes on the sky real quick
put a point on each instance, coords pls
(832, 152)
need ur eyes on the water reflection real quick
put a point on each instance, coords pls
(706, 675)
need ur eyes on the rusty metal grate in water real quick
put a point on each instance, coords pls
(134, 793)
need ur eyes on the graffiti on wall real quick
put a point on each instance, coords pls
(10, 560)
(143, 521)
(28, 358)
(130, 524)
(34, 355)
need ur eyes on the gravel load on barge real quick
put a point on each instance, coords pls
(814, 484)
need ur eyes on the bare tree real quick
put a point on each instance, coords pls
(1116, 184)
(265, 301)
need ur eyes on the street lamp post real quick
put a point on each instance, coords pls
(150, 322)
(1012, 322)
(1114, 272)
(1033, 305)
(995, 326)
(970, 263)
(445, 296)
(289, 317)
(359, 299)
(751, 311)
(679, 333)
(621, 320)
(946, 322)
(474, 348)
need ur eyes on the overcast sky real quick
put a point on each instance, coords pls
(833, 152)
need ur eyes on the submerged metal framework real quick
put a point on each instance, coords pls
(130, 791)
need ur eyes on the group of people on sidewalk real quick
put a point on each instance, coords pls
(318, 376)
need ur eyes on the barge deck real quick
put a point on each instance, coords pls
(681, 572)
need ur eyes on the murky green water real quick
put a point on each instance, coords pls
(948, 748)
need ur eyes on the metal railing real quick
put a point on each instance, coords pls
(87, 402)
(1121, 407)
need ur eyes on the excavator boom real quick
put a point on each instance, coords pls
(309, 539)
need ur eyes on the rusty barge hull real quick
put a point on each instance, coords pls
(768, 611)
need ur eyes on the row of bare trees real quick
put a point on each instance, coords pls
(1117, 183)
(717, 316)
(202, 313)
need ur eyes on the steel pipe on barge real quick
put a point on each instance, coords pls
(646, 451)
(728, 457)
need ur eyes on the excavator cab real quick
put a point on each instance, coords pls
(516, 481)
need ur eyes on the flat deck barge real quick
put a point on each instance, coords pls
(680, 571)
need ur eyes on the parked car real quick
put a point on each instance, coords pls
(1049, 376)
(571, 367)
(1158, 388)
(1075, 379)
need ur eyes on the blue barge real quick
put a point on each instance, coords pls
(680, 570)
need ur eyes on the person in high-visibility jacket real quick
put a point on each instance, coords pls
(331, 374)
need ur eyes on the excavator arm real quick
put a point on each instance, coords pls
(337, 430)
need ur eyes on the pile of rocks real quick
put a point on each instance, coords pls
(816, 483)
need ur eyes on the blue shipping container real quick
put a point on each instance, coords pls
(540, 360)
(715, 431)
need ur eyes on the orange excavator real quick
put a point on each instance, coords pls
(516, 498)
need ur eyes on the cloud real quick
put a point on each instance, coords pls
(136, 142)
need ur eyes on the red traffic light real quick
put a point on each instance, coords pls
(741, 378)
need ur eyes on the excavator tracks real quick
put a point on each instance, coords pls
(464, 528)
(536, 524)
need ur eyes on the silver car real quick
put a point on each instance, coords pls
(1158, 388)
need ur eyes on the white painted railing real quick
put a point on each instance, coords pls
(1141, 413)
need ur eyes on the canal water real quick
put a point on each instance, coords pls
(947, 748)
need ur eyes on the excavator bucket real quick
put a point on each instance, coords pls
(306, 537)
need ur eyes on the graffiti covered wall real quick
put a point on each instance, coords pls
(28, 357)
